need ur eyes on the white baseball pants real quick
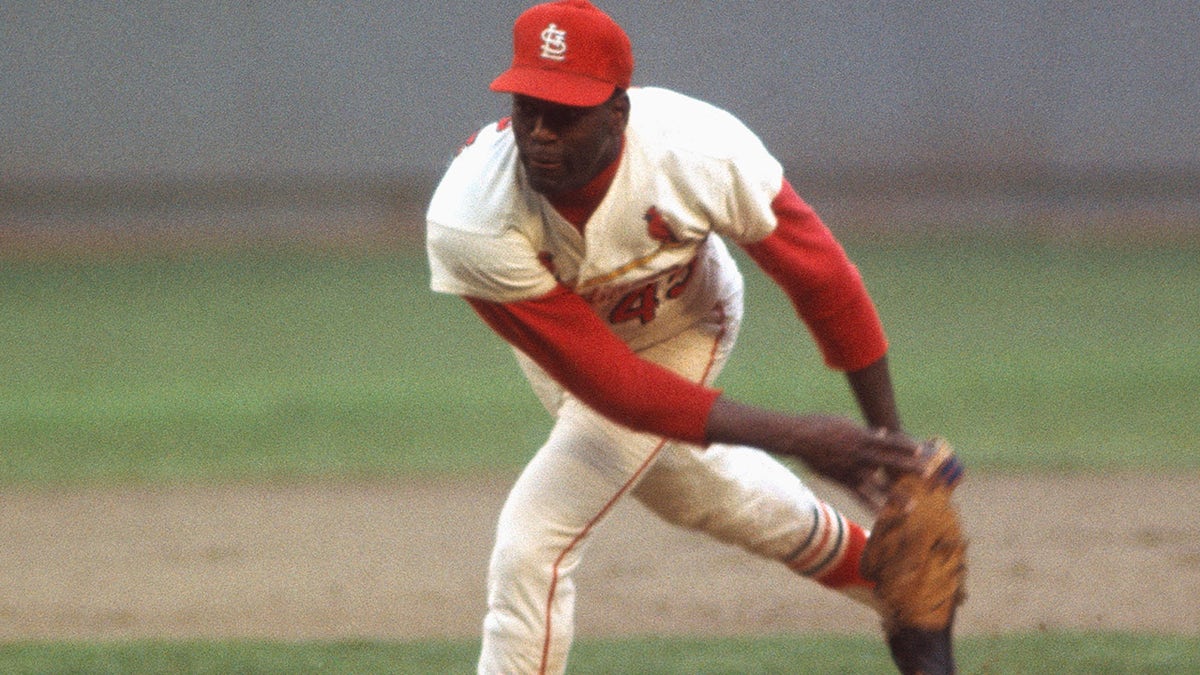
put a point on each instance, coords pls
(738, 495)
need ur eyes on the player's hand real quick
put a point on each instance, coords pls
(863, 461)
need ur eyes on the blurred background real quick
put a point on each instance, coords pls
(1018, 180)
(333, 119)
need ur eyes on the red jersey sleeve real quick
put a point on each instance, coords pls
(802, 256)
(562, 334)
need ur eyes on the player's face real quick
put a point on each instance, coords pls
(563, 147)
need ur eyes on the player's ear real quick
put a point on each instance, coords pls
(618, 106)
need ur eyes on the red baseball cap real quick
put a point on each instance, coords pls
(567, 52)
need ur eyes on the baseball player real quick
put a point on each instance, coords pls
(590, 230)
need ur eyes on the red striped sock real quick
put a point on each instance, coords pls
(845, 572)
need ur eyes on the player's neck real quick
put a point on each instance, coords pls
(578, 205)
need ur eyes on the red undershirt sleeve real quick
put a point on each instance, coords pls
(802, 256)
(562, 334)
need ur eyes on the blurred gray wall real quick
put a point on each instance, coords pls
(184, 90)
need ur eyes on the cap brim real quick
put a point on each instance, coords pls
(554, 86)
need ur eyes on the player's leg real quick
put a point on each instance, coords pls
(745, 497)
(586, 465)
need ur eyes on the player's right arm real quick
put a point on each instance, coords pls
(562, 334)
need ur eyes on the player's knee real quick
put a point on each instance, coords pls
(516, 586)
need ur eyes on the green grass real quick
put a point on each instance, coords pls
(246, 366)
(1056, 653)
(255, 366)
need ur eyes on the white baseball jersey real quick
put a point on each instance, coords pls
(645, 261)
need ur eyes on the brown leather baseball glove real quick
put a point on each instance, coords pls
(916, 556)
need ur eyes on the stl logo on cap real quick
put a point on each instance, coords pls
(597, 61)
(554, 43)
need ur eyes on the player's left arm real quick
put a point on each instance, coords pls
(802, 256)
(872, 387)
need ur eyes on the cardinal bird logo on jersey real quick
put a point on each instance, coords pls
(658, 229)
